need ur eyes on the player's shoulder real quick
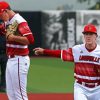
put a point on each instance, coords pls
(98, 47)
(17, 17)
(79, 46)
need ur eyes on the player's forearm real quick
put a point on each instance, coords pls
(52, 53)
(19, 39)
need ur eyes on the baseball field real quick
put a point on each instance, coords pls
(49, 79)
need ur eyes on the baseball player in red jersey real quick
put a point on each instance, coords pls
(86, 58)
(17, 51)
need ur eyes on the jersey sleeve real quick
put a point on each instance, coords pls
(67, 55)
(24, 30)
(52, 53)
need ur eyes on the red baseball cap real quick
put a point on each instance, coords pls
(3, 5)
(90, 28)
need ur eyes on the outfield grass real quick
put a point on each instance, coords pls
(50, 75)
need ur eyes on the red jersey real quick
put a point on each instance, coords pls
(15, 48)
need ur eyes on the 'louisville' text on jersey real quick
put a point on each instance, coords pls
(89, 58)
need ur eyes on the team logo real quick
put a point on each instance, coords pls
(81, 51)
(89, 28)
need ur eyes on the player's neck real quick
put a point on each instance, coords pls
(90, 46)
(11, 14)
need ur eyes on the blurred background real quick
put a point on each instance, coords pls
(56, 24)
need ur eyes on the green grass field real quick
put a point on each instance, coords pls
(50, 75)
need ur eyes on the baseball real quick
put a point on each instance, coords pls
(36, 53)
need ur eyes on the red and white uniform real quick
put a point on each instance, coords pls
(86, 71)
(14, 48)
(18, 62)
(87, 64)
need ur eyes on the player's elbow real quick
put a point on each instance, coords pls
(30, 39)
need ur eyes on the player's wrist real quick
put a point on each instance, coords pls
(10, 37)
(45, 51)
(7, 36)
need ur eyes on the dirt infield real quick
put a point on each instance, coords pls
(54, 96)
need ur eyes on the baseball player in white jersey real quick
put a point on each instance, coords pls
(18, 36)
(86, 58)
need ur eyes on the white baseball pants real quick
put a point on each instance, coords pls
(16, 77)
(85, 93)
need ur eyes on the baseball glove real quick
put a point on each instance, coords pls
(12, 29)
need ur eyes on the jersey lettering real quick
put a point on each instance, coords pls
(89, 58)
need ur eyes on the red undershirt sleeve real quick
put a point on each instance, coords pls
(65, 55)
(52, 53)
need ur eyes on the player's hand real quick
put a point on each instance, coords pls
(9, 36)
(38, 51)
